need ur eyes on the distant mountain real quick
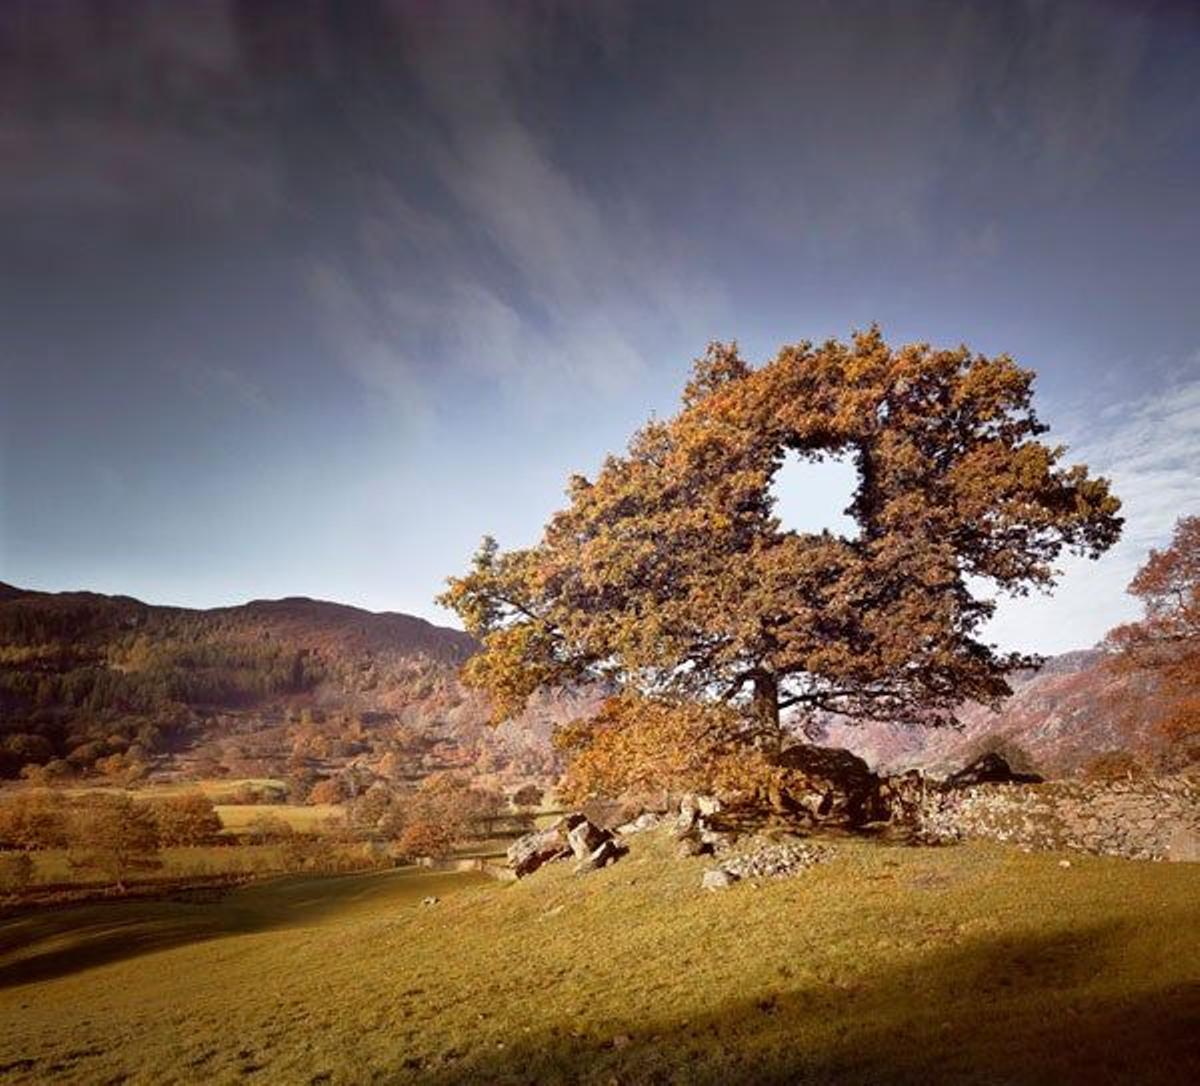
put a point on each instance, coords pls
(85, 676)
(1057, 720)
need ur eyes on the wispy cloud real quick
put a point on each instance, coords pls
(529, 278)
(1149, 449)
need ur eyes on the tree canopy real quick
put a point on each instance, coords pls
(1166, 642)
(670, 575)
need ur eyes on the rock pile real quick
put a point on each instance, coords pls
(760, 859)
(571, 835)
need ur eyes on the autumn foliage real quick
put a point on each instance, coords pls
(669, 575)
(1165, 644)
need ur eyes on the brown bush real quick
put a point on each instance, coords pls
(329, 790)
(16, 872)
(426, 839)
(30, 821)
(189, 819)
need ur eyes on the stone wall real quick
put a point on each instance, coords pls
(1138, 819)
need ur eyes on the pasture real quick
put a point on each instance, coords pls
(887, 964)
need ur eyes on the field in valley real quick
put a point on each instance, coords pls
(969, 964)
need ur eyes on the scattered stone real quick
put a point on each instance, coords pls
(717, 878)
(607, 852)
(774, 859)
(692, 846)
(585, 837)
(429, 901)
(1064, 863)
(528, 853)
(648, 820)
(622, 1040)
(707, 806)
(717, 840)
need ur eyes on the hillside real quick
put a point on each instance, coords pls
(92, 683)
(1057, 720)
(971, 964)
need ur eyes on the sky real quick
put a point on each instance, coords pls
(304, 298)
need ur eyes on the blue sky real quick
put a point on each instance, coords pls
(306, 298)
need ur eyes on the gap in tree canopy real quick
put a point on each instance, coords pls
(811, 495)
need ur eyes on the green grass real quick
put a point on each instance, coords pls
(970, 964)
(53, 865)
(235, 817)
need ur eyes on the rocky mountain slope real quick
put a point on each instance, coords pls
(1057, 721)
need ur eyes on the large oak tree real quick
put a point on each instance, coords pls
(669, 574)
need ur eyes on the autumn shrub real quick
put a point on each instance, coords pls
(267, 829)
(188, 819)
(33, 820)
(529, 795)
(423, 838)
(329, 790)
(16, 872)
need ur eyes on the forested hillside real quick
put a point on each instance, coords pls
(100, 684)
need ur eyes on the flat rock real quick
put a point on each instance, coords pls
(1184, 846)
(607, 852)
(717, 878)
(648, 820)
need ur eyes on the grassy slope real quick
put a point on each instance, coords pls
(888, 964)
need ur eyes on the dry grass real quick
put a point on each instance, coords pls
(235, 817)
(972, 964)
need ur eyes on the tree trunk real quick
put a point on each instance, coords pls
(766, 712)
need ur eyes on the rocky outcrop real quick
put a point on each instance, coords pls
(585, 837)
(571, 835)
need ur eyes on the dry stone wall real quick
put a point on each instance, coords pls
(1139, 819)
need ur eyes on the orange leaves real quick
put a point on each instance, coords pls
(1166, 643)
(669, 574)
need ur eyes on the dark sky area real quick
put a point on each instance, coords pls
(304, 297)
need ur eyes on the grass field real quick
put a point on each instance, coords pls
(969, 964)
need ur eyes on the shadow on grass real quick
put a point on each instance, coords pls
(1015, 1010)
(46, 943)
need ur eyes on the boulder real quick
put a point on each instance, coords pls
(707, 806)
(689, 815)
(585, 837)
(648, 820)
(691, 845)
(528, 853)
(607, 852)
(825, 784)
(717, 878)
(989, 768)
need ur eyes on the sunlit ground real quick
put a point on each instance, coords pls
(967, 964)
